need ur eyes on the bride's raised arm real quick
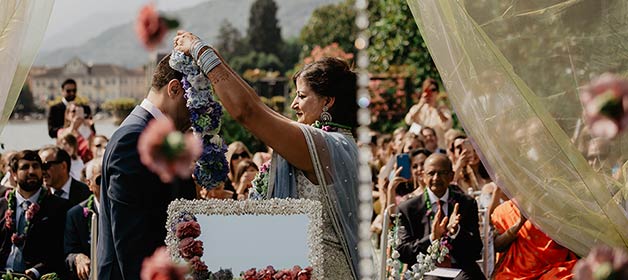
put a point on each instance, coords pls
(243, 104)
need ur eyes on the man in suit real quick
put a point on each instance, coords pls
(56, 114)
(56, 165)
(78, 227)
(134, 200)
(37, 250)
(441, 211)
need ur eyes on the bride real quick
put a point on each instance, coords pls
(314, 157)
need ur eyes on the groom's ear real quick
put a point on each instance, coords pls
(174, 88)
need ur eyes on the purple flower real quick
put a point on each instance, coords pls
(85, 212)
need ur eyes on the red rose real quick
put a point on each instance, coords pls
(189, 248)
(188, 229)
(305, 274)
(250, 274)
(32, 211)
(198, 265)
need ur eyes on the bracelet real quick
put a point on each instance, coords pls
(208, 61)
(196, 48)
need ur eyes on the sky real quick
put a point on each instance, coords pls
(68, 12)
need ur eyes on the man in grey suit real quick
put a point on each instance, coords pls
(134, 200)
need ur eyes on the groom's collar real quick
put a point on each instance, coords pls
(152, 109)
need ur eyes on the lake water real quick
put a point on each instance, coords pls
(20, 135)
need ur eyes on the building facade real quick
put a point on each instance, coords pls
(98, 83)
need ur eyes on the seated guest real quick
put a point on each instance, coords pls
(441, 211)
(431, 140)
(56, 166)
(245, 172)
(31, 242)
(525, 252)
(78, 225)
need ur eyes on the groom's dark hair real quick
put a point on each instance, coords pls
(164, 73)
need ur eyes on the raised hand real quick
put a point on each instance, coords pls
(439, 225)
(184, 40)
(452, 226)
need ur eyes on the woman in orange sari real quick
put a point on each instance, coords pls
(525, 252)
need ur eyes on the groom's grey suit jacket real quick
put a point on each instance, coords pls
(133, 203)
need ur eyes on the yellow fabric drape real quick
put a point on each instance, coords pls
(22, 27)
(512, 70)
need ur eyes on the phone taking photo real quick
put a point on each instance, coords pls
(403, 160)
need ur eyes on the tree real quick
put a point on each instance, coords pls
(329, 24)
(396, 41)
(264, 34)
(230, 41)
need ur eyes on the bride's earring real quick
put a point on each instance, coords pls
(325, 116)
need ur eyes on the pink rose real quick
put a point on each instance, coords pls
(32, 211)
(605, 102)
(267, 274)
(250, 274)
(601, 263)
(188, 229)
(8, 218)
(149, 27)
(160, 267)
(163, 151)
(85, 212)
(189, 248)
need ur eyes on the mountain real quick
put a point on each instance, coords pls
(119, 45)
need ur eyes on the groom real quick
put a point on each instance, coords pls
(133, 200)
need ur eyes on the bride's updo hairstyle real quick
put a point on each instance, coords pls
(332, 77)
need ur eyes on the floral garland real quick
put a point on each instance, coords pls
(436, 253)
(296, 273)
(205, 113)
(260, 182)
(10, 216)
(393, 239)
(89, 208)
(190, 249)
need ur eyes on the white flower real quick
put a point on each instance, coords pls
(395, 254)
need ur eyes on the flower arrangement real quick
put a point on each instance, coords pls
(151, 27)
(436, 253)
(10, 216)
(605, 102)
(205, 113)
(166, 151)
(260, 182)
(296, 273)
(393, 261)
(602, 263)
(190, 249)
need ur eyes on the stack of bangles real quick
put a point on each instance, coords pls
(208, 60)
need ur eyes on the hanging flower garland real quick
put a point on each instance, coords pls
(205, 113)
(10, 219)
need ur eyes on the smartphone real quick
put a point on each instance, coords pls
(403, 160)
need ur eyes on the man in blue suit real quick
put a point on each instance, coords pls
(134, 200)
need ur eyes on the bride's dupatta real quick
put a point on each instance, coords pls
(335, 160)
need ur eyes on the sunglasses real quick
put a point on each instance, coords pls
(97, 180)
(99, 145)
(240, 155)
(70, 90)
(46, 165)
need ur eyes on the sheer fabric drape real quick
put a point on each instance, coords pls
(512, 70)
(22, 27)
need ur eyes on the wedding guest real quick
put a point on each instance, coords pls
(68, 143)
(442, 211)
(431, 140)
(450, 135)
(56, 173)
(412, 142)
(245, 172)
(79, 127)
(312, 162)
(524, 251)
(56, 113)
(32, 242)
(397, 141)
(98, 145)
(384, 149)
(134, 200)
(78, 225)
(236, 152)
(260, 158)
(467, 166)
(429, 113)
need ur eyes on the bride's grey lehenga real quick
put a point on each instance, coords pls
(335, 159)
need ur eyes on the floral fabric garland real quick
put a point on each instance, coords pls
(10, 216)
(205, 113)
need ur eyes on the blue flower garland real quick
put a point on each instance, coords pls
(205, 113)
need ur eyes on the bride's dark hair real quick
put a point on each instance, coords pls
(332, 77)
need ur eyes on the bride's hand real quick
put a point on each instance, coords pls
(183, 41)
